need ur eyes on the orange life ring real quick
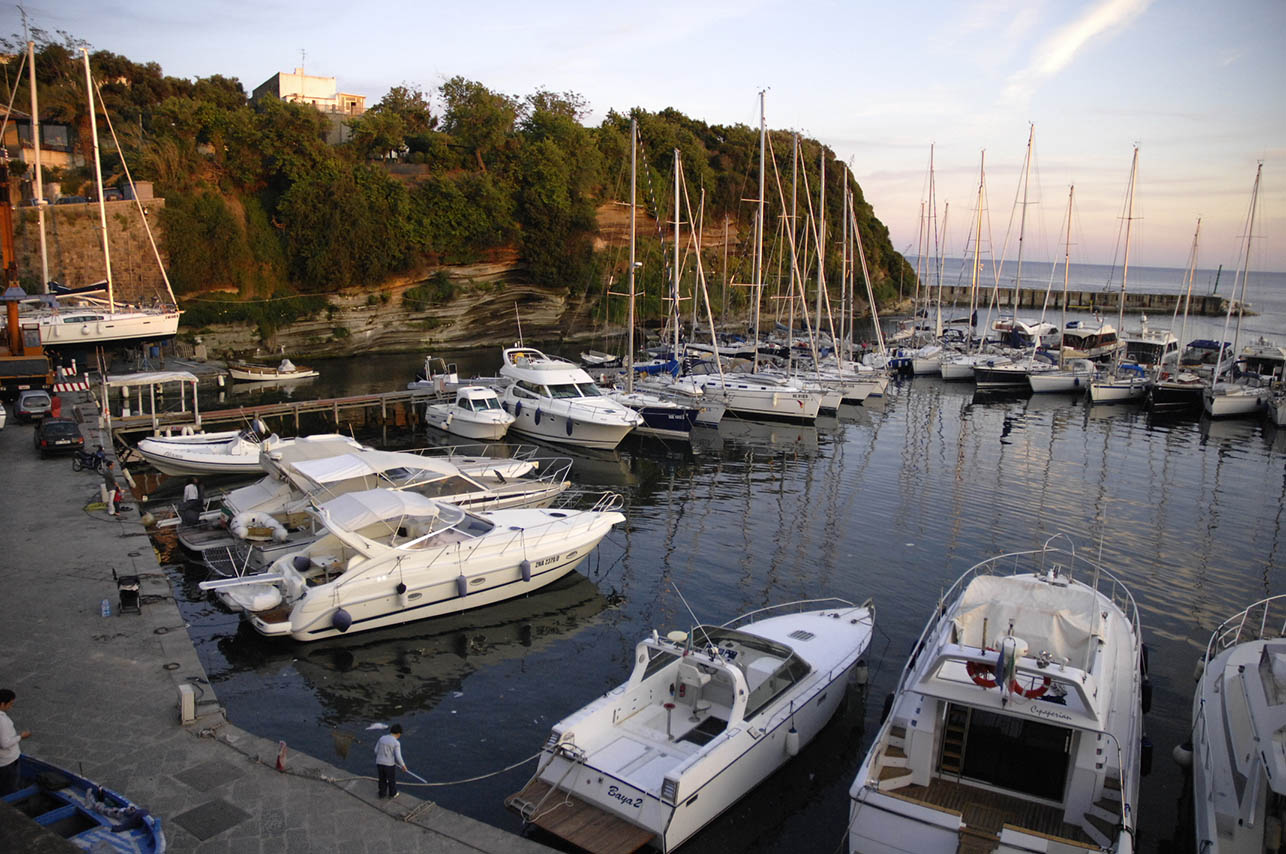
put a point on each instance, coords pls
(1030, 693)
(981, 674)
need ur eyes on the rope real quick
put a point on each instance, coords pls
(443, 783)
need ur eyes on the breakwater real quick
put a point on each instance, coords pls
(1208, 305)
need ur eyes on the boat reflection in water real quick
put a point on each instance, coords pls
(353, 680)
(734, 435)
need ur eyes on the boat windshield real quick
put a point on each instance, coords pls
(769, 668)
(484, 403)
(588, 389)
(563, 390)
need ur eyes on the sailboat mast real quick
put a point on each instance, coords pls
(674, 276)
(1022, 220)
(629, 335)
(1067, 264)
(866, 276)
(821, 235)
(977, 252)
(98, 176)
(1187, 300)
(846, 287)
(38, 194)
(1245, 264)
(1129, 221)
(759, 233)
(803, 303)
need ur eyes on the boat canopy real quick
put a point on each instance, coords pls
(150, 378)
(370, 463)
(354, 511)
(1049, 617)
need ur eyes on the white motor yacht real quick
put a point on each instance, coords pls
(475, 413)
(557, 401)
(389, 557)
(260, 522)
(1238, 726)
(1017, 724)
(705, 717)
(228, 452)
(1093, 341)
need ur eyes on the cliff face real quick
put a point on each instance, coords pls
(75, 253)
(484, 308)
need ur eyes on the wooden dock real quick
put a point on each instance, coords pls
(400, 408)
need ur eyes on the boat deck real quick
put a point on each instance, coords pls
(582, 824)
(987, 812)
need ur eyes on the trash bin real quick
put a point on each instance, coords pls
(128, 586)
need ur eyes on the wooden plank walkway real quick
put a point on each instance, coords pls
(582, 824)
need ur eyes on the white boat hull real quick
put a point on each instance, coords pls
(1058, 382)
(472, 425)
(1118, 391)
(1233, 400)
(750, 400)
(232, 456)
(64, 330)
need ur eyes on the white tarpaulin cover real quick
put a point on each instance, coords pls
(1047, 616)
(150, 378)
(368, 463)
(311, 448)
(356, 510)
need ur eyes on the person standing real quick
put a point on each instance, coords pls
(113, 489)
(388, 756)
(9, 740)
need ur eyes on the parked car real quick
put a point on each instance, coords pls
(72, 200)
(32, 405)
(2, 416)
(58, 435)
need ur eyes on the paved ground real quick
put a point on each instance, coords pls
(101, 694)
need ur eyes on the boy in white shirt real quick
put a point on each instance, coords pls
(388, 756)
(9, 749)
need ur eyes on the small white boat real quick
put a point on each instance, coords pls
(234, 452)
(1017, 724)
(747, 397)
(1238, 716)
(1072, 376)
(1229, 399)
(285, 370)
(389, 557)
(475, 414)
(1124, 383)
(557, 401)
(704, 718)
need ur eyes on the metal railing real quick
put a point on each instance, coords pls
(1256, 622)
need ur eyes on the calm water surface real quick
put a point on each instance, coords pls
(892, 501)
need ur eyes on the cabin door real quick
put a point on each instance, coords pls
(1008, 752)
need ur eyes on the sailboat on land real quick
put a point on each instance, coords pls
(85, 320)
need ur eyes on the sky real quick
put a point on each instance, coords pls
(1200, 87)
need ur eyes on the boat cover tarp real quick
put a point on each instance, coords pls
(356, 510)
(367, 464)
(150, 378)
(1048, 617)
(312, 448)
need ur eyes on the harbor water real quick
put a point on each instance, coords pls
(892, 500)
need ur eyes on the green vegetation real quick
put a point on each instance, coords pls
(259, 204)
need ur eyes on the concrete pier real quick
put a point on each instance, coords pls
(1092, 300)
(100, 694)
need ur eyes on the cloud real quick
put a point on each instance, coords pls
(1058, 50)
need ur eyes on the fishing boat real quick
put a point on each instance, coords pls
(284, 370)
(475, 413)
(67, 806)
(1239, 769)
(226, 452)
(557, 401)
(705, 717)
(390, 557)
(1017, 723)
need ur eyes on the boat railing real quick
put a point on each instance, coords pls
(1048, 562)
(1264, 619)
(495, 450)
(795, 607)
(554, 470)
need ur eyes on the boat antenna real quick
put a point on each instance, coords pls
(518, 317)
(695, 621)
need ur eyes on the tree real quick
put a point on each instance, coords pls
(478, 119)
